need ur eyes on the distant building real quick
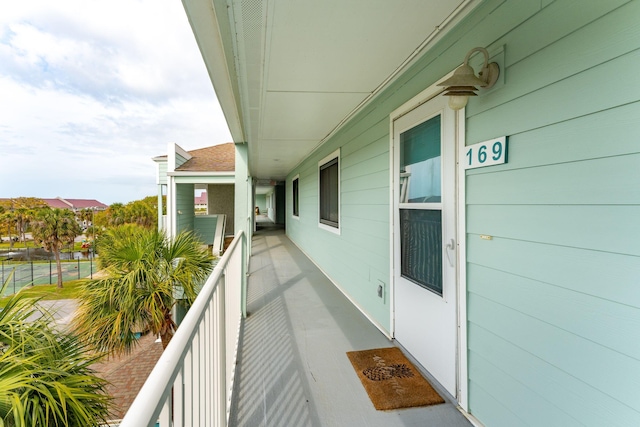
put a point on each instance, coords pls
(210, 170)
(76, 204)
(60, 203)
(201, 201)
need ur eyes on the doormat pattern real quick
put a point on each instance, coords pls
(391, 380)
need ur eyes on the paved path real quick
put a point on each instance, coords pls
(62, 311)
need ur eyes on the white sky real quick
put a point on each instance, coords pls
(91, 90)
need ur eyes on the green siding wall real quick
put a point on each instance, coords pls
(357, 259)
(180, 160)
(204, 227)
(162, 172)
(185, 203)
(261, 202)
(553, 299)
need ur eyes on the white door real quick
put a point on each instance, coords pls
(425, 243)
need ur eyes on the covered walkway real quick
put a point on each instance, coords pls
(292, 367)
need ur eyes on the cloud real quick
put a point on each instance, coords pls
(90, 91)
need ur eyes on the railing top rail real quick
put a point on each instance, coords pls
(160, 381)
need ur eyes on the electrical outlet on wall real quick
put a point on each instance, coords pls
(381, 289)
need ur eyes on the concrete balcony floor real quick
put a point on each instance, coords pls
(293, 369)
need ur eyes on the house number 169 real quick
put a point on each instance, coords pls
(487, 153)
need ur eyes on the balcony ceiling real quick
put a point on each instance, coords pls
(288, 72)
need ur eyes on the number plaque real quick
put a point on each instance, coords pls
(487, 153)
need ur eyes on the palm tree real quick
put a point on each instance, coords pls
(54, 228)
(45, 375)
(22, 218)
(115, 214)
(141, 213)
(85, 216)
(9, 220)
(146, 271)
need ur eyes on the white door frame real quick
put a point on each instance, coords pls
(424, 96)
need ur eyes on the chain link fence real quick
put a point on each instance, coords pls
(28, 273)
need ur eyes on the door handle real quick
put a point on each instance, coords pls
(450, 246)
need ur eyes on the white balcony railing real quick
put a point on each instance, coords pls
(192, 383)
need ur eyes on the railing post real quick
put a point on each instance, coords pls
(244, 271)
(222, 353)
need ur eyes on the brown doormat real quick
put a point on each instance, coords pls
(392, 381)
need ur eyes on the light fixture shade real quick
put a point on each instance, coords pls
(463, 76)
(461, 90)
(458, 102)
(462, 84)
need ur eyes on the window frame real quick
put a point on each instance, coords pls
(322, 164)
(295, 197)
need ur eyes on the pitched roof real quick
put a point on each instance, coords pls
(61, 203)
(86, 203)
(57, 203)
(219, 158)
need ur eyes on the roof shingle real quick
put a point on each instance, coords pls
(219, 158)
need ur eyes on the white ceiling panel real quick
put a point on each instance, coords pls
(297, 69)
(305, 115)
(345, 46)
(276, 158)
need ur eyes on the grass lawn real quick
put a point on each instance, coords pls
(70, 290)
(5, 245)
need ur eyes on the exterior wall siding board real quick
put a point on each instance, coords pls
(565, 198)
(162, 173)
(204, 227)
(368, 180)
(596, 366)
(372, 196)
(359, 144)
(564, 26)
(185, 203)
(588, 405)
(609, 276)
(600, 228)
(565, 183)
(180, 160)
(484, 406)
(606, 322)
(556, 289)
(362, 249)
(564, 142)
(520, 398)
(572, 97)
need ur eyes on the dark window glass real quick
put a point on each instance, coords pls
(329, 213)
(421, 247)
(296, 211)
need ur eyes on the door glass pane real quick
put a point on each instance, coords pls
(421, 247)
(420, 163)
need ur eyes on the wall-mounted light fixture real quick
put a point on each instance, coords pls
(462, 84)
